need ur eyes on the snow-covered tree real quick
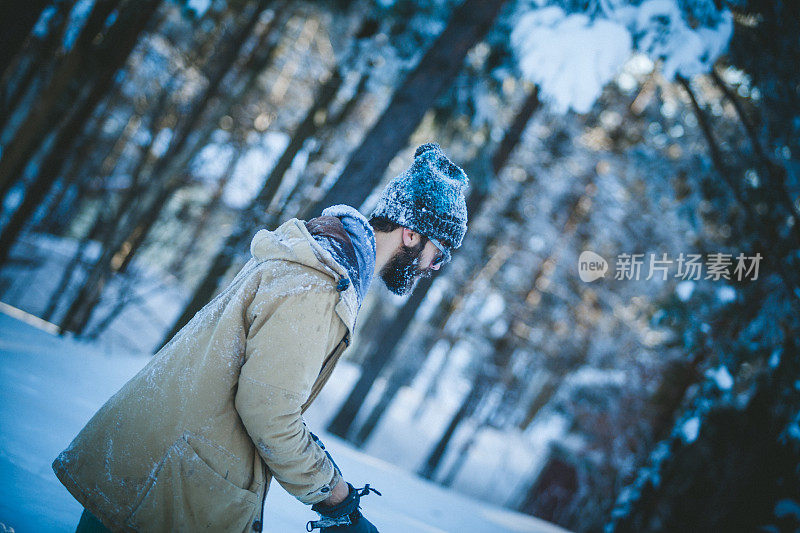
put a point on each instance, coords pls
(573, 49)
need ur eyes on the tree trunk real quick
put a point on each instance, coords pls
(79, 312)
(255, 64)
(125, 296)
(347, 108)
(16, 23)
(238, 240)
(104, 229)
(82, 164)
(428, 470)
(514, 133)
(141, 221)
(307, 128)
(461, 457)
(504, 346)
(393, 385)
(296, 205)
(15, 82)
(261, 56)
(222, 64)
(166, 168)
(66, 277)
(435, 72)
(62, 93)
(765, 230)
(82, 169)
(554, 489)
(123, 42)
(234, 244)
(199, 226)
(105, 219)
(542, 397)
(776, 173)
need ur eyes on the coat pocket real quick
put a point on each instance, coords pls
(188, 495)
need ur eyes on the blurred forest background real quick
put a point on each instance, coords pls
(144, 142)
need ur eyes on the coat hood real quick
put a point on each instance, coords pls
(292, 242)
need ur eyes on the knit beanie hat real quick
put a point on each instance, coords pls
(428, 197)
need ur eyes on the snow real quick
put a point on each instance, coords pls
(684, 289)
(775, 358)
(199, 6)
(570, 57)
(41, 27)
(497, 452)
(690, 429)
(51, 386)
(594, 377)
(77, 18)
(162, 141)
(493, 307)
(787, 507)
(156, 299)
(660, 30)
(536, 243)
(721, 376)
(726, 294)
(45, 401)
(793, 430)
(250, 171)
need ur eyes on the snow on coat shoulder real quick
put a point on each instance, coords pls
(293, 243)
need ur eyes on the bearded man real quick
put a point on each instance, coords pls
(192, 441)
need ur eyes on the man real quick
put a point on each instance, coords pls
(192, 441)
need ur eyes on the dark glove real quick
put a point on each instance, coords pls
(344, 517)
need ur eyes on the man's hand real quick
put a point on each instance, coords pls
(339, 512)
(338, 494)
(345, 516)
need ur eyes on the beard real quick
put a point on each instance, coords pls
(401, 273)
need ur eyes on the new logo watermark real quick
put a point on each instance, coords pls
(591, 266)
(715, 266)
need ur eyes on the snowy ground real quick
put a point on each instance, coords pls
(50, 387)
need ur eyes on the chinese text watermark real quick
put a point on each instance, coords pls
(715, 266)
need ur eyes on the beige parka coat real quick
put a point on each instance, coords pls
(192, 441)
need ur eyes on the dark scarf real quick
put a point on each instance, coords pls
(330, 233)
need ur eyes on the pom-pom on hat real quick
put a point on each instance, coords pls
(428, 197)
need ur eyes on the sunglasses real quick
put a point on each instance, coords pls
(444, 253)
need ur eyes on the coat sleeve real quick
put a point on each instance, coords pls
(286, 346)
